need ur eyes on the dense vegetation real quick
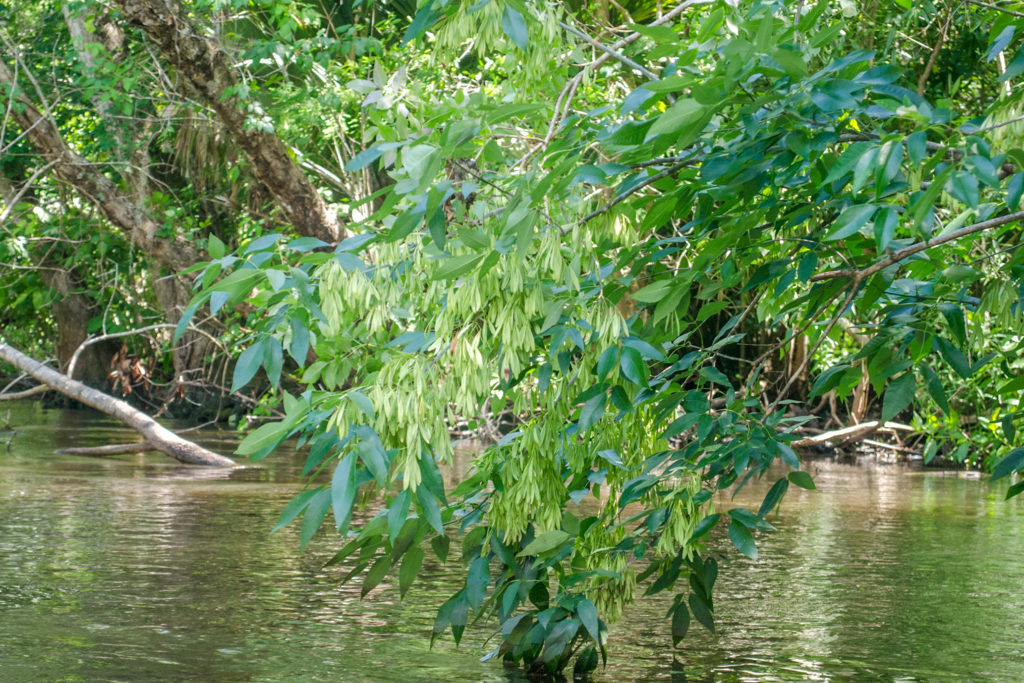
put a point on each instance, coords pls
(644, 245)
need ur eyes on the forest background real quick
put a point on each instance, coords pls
(645, 249)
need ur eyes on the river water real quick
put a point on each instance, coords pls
(137, 568)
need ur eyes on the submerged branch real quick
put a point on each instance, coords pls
(112, 449)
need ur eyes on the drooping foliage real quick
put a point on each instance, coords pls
(594, 253)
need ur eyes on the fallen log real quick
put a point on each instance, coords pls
(840, 437)
(153, 433)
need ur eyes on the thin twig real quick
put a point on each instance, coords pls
(994, 7)
(614, 54)
(633, 190)
(923, 80)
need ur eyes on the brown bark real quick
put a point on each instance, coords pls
(206, 68)
(72, 312)
(152, 432)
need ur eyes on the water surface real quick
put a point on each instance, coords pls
(136, 568)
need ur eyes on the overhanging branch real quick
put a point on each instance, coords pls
(907, 252)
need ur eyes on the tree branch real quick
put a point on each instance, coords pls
(611, 52)
(204, 66)
(907, 252)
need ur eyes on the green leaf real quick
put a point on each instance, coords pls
(850, 221)
(440, 545)
(704, 526)
(376, 574)
(1000, 42)
(365, 158)
(633, 367)
(607, 361)
(774, 495)
(262, 437)
(298, 349)
(362, 402)
(710, 24)
(514, 26)
(247, 366)
(477, 580)
(293, 508)
(678, 119)
(807, 266)
(457, 266)
(680, 623)
(273, 360)
(884, 227)
(742, 539)
(592, 411)
(1013, 462)
(304, 244)
(715, 375)
(927, 200)
(792, 62)
(587, 613)
(1014, 190)
(749, 519)
(425, 17)
(431, 510)
(314, 516)
(653, 293)
(964, 188)
(215, 247)
(954, 316)
(343, 491)
(917, 147)
(954, 357)
(398, 512)
(828, 380)
(1009, 430)
(898, 396)
(410, 569)
(802, 479)
(702, 612)
(547, 541)
(647, 351)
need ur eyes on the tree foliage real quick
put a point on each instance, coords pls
(608, 241)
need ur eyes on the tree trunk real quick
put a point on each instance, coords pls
(72, 312)
(159, 437)
(204, 65)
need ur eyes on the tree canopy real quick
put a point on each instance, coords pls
(644, 244)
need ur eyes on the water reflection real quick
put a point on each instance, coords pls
(138, 568)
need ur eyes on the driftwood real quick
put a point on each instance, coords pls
(840, 437)
(111, 449)
(153, 433)
(892, 447)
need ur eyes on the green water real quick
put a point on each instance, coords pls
(136, 568)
